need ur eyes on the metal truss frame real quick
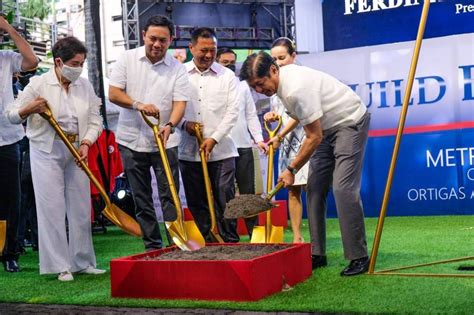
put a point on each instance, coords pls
(285, 20)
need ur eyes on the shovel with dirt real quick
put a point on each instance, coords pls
(185, 234)
(248, 205)
(207, 182)
(269, 233)
(111, 211)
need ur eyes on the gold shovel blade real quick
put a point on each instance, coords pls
(189, 239)
(3, 234)
(259, 234)
(194, 234)
(121, 219)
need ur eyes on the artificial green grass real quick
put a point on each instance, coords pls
(405, 241)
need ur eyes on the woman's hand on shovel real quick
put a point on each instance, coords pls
(83, 151)
(36, 106)
(271, 116)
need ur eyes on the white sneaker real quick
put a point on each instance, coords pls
(65, 276)
(93, 271)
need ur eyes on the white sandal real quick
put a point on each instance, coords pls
(65, 276)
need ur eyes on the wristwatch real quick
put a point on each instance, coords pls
(292, 170)
(173, 127)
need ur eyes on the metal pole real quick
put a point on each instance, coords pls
(401, 124)
(17, 12)
(54, 29)
(428, 264)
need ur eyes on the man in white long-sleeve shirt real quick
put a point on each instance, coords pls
(246, 131)
(213, 104)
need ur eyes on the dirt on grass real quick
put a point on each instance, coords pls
(221, 252)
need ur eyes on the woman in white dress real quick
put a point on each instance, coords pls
(62, 189)
(284, 53)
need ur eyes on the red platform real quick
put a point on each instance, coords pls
(236, 280)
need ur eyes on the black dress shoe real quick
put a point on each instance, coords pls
(319, 261)
(356, 266)
(11, 265)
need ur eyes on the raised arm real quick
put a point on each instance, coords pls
(30, 61)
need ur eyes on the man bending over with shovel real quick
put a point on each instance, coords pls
(336, 123)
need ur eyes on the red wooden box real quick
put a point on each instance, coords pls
(237, 280)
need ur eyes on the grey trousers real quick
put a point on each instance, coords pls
(137, 168)
(337, 163)
(222, 176)
(245, 178)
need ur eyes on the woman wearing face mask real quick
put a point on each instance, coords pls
(62, 189)
(283, 51)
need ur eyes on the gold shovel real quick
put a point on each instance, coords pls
(269, 233)
(207, 182)
(116, 215)
(250, 205)
(185, 234)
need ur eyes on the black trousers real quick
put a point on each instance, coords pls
(222, 176)
(28, 205)
(10, 197)
(137, 168)
(245, 178)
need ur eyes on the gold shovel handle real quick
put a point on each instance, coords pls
(166, 163)
(207, 181)
(272, 132)
(198, 134)
(149, 122)
(48, 115)
(274, 191)
(271, 152)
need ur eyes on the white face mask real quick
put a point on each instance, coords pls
(71, 73)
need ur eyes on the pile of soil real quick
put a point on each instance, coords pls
(244, 206)
(221, 252)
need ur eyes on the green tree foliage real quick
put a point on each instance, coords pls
(36, 9)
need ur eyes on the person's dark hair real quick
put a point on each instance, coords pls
(257, 65)
(66, 48)
(225, 50)
(159, 20)
(204, 32)
(285, 42)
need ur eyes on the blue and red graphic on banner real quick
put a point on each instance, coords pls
(435, 170)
